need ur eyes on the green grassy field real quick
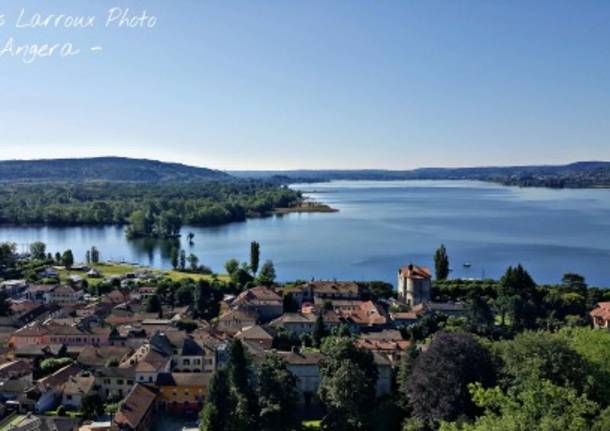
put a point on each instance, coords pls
(311, 425)
(110, 269)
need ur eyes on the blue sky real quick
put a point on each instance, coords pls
(264, 84)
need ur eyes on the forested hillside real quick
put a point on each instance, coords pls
(575, 175)
(154, 199)
(102, 169)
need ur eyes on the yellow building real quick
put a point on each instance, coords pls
(182, 392)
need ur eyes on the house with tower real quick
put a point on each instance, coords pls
(414, 284)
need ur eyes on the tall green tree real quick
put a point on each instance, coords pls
(277, 395)
(518, 298)
(216, 416)
(231, 266)
(344, 394)
(246, 411)
(185, 295)
(405, 368)
(154, 304)
(319, 331)
(95, 255)
(140, 224)
(173, 256)
(348, 378)
(267, 275)
(193, 262)
(533, 356)
(479, 315)
(207, 300)
(7, 253)
(438, 384)
(255, 254)
(67, 259)
(182, 259)
(167, 224)
(441, 263)
(38, 250)
(541, 405)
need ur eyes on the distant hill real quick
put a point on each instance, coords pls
(574, 175)
(102, 169)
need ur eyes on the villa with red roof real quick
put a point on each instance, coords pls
(414, 284)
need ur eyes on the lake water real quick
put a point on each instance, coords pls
(383, 225)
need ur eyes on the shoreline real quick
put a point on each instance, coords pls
(306, 207)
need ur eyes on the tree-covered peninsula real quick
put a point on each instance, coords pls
(155, 206)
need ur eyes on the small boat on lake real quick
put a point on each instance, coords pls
(467, 264)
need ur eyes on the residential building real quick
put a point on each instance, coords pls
(50, 388)
(114, 383)
(297, 323)
(16, 370)
(136, 411)
(256, 334)
(182, 392)
(262, 301)
(324, 290)
(64, 295)
(76, 389)
(80, 335)
(94, 357)
(151, 364)
(305, 367)
(233, 321)
(13, 288)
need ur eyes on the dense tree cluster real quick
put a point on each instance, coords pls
(574, 175)
(257, 400)
(157, 210)
(536, 381)
(348, 378)
(518, 303)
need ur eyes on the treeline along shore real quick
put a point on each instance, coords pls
(152, 199)
(574, 175)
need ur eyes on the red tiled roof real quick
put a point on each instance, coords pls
(34, 330)
(152, 362)
(382, 345)
(258, 295)
(79, 385)
(367, 313)
(59, 377)
(602, 311)
(135, 407)
(413, 271)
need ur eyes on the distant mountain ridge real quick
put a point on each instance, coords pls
(123, 169)
(573, 175)
(103, 169)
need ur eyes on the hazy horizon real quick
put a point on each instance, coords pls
(315, 85)
(300, 169)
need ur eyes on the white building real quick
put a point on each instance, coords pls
(414, 284)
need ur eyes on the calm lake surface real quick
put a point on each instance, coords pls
(383, 225)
